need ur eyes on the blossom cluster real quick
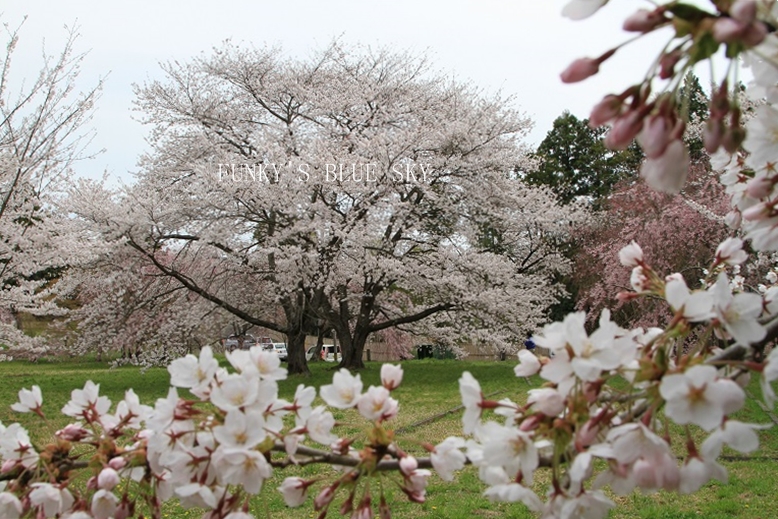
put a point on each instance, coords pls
(579, 415)
(584, 425)
(743, 28)
(214, 451)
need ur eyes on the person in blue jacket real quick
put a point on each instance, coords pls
(529, 343)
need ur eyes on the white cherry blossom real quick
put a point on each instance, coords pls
(240, 430)
(29, 400)
(580, 9)
(344, 392)
(235, 391)
(470, 390)
(87, 402)
(528, 365)
(694, 306)
(244, 467)
(738, 313)
(104, 504)
(10, 506)
(447, 457)
(698, 396)
(294, 490)
(51, 499)
(391, 376)
(631, 255)
(512, 493)
(194, 373)
(376, 404)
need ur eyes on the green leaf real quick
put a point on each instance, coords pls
(704, 47)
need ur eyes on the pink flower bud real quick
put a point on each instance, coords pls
(391, 376)
(325, 496)
(733, 138)
(759, 187)
(733, 219)
(73, 433)
(108, 478)
(644, 20)
(667, 64)
(755, 34)
(408, 464)
(727, 30)
(655, 135)
(384, 512)
(8, 466)
(605, 111)
(580, 69)
(123, 511)
(624, 130)
(756, 212)
(743, 10)
(712, 135)
(348, 506)
(117, 463)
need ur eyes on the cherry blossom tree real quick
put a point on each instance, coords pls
(636, 212)
(585, 428)
(126, 306)
(356, 191)
(41, 121)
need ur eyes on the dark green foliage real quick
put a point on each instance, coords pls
(574, 162)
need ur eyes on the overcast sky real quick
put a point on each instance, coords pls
(518, 47)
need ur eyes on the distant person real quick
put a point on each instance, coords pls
(529, 343)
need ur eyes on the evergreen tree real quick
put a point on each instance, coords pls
(574, 162)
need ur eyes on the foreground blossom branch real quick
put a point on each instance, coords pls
(610, 400)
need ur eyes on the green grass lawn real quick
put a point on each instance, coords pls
(429, 389)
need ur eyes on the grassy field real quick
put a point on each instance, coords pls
(429, 390)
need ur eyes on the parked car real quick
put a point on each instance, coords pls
(242, 342)
(327, 353)
(279, 348)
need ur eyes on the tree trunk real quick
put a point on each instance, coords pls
(351, 349)
(295, 349)
(316, 357)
